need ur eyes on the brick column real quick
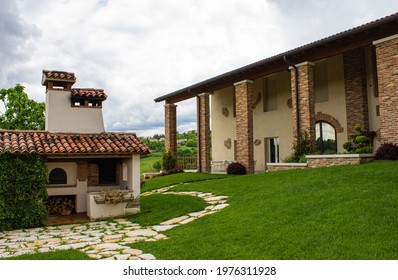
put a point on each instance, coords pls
(306, 96)
(387, 74)
(170, 134)
(244, 124)
(355, 90)
(203, 121)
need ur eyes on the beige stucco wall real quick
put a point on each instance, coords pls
(278, 123)
(273, 124)
(61, 117)
(336, 105)
(223, 127)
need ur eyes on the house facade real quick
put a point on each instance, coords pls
(324, 88)
(81, 157)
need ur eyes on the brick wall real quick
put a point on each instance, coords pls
(244, 125)
(387, 73)
(355, 90)
(170, 141)
(203, 116)
(93, 174)
(306, 98)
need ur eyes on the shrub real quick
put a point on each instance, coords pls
(157, 165)
(168, 161)
(302, 145)
(387, 151)
(23, 191)
(236, 168)
(361, 141)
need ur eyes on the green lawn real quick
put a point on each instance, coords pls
(347, 212)
(146, 163)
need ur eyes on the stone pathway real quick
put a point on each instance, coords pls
(105, 240)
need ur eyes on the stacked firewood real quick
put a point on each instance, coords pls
(60, 205)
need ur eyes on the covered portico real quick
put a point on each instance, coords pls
(376, 42)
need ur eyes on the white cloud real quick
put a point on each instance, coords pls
(138, 50)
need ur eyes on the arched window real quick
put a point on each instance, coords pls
(57, 176)
(326, 140)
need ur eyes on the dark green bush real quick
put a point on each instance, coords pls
(23, 182)
(236, 168)
(387, 151)
(361, 141)
(157, 165)
(168, 161)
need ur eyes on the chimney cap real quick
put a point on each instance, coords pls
(58, 76)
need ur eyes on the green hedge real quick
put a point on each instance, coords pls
(23, 182)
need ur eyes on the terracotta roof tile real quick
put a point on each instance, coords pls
(46, 143)
(59, 75)
(89, 93)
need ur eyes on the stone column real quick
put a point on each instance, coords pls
(306, 96)
(170, 141)
(387, 74)
(244, 124)
(203, 121)
(355, 90)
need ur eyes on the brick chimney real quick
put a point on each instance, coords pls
(72, 110)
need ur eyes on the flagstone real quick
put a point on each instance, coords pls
(141, 232)
(130, 251)
(147, 257)
(220, 206)
(186, 221)
(174, 221)
(122, 256)
(163, 227)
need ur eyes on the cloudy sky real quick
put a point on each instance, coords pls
(137, 50)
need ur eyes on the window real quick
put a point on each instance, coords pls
(270, 97)
(326, 140)
(272, 149)
(57, 177)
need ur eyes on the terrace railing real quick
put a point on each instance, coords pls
(187, 162)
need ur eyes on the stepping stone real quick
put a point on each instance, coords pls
(196, 214)
(175, 220)
(134, 252)
(122, 256)
(186, 221)
(107, 246)
(106, 238)
(147, 257)
(134, 239)
(163, 227)
(160, 236)
(220, 206)
(142, 232)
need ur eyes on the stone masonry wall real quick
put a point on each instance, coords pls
(203, 116)
(355, 90)
(170, 141)
(387, 72)
(306, 98)
(244, 125)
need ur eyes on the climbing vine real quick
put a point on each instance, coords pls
(23, 181)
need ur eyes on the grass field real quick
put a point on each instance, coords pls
(348, 212)
(146, 163)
